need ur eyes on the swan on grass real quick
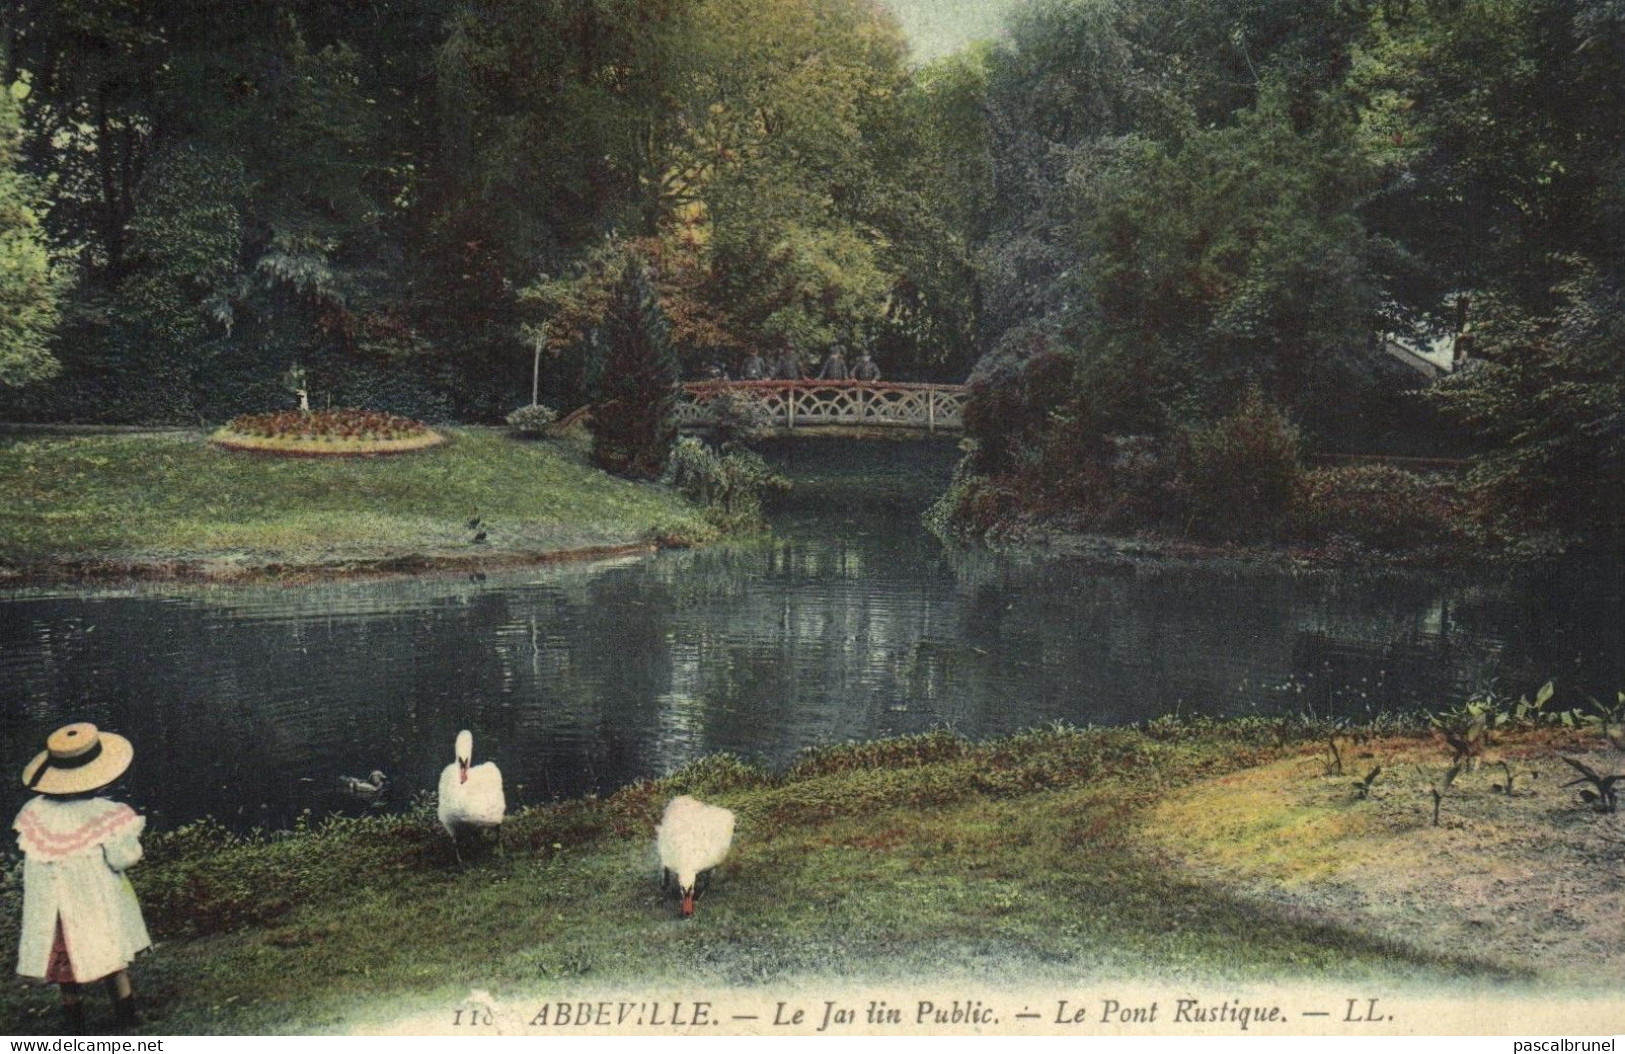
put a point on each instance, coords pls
(470, 795)
(693, 838)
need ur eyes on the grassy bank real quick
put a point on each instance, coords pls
(1242, 485)
(174, 503)
(1339, 517)
(1172, 852)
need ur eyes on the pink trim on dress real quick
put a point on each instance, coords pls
(44, 842)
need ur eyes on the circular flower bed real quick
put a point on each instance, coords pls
(326, 432)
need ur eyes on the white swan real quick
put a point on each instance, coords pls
(693, 838)
(470, 795)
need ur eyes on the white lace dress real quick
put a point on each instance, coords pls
(75, 854)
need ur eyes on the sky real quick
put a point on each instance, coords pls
(939, 27)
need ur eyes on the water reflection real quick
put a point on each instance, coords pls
(849, 622)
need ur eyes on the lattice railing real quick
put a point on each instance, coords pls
(812, 404)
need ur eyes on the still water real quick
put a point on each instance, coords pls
(849, 621)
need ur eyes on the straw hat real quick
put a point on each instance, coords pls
(77, 759)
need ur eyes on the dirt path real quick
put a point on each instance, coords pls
(1534, 881)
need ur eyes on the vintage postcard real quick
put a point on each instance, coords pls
(813, 518)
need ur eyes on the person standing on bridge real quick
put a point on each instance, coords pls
(788, 368)
(755, 368)
(834, 368)
(865, 369)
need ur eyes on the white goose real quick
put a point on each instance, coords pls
(693, 838)
(470, 795)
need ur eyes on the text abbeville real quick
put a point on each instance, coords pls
(604, 1014)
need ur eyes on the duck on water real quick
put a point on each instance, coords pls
(370, 787)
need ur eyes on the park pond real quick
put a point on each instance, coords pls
(847, 621)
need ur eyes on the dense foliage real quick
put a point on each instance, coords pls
(1193, 200)
(1124, 214)
(1550, 395)
(1377, 506)
(407, 197)
(30, 281)
(730, 483)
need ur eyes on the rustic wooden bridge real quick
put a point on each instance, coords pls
(835, 407)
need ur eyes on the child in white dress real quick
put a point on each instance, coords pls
(81, 921)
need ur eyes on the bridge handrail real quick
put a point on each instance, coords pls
(705, 387)
(810, 402)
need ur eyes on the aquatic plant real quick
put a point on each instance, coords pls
(1469, 727)
(1334, 761)
(1442, 784)
(1526, 713)
(1602, 793)
(1508, 784)
(1610, 720)
(731, 485)
(1362, 787)
(1466, 728)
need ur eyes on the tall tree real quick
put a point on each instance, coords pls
(775, 182)
(633, 423)
(235, 188)
(1178, 187)
(1236, 256)
(779, 153)
(1549, 397)
(1508, 118)
(544, 122)
(93, 115)
(30, 281)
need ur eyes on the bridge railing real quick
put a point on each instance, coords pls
(811, 404)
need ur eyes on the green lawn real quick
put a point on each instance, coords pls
(161, 499)
(920, 858)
